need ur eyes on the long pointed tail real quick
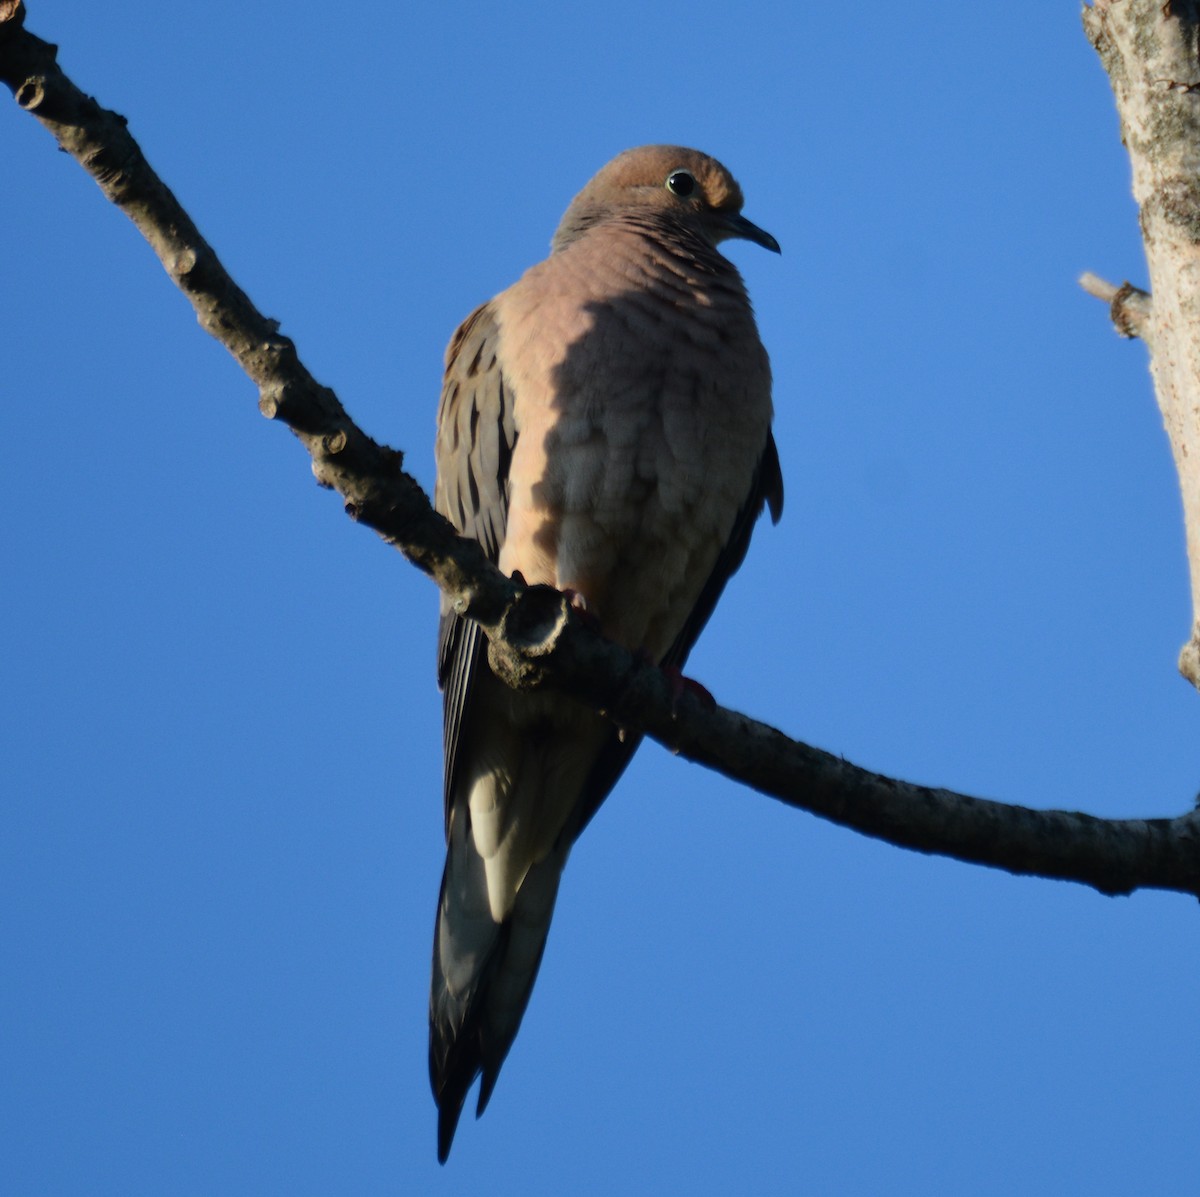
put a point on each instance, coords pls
(483, 973)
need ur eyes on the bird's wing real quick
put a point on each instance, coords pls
(475, 439)
(766, 490)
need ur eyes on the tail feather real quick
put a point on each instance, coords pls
(483, 974)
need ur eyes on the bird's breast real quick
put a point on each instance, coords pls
(642, 404)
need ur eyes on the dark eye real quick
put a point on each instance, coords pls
(681, 183)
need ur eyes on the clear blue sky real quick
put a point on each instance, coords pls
(220, 840)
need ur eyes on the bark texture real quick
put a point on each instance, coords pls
(1149, 50)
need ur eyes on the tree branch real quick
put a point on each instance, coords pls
(1129, 307)
(1148, 49)
(536, 638)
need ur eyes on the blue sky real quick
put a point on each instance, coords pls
(221, 842)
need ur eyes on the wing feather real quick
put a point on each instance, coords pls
(766, 490)
(476, 435)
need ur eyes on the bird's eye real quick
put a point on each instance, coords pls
(681, 183)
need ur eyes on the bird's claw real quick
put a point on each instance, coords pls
(678, 686)
(579, 604)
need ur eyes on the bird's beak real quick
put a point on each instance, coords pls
(736, 225)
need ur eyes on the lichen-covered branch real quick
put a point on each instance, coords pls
(536, 638)
(1149, 49)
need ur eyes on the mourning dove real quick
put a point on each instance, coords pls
(604, 427)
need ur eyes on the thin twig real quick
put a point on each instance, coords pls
(1129, 307)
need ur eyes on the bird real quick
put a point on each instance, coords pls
(604, 428)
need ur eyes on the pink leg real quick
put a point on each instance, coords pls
(580, 605)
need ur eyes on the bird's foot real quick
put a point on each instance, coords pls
(678, 685)
(579, 604)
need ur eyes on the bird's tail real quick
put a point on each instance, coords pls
(483, 973)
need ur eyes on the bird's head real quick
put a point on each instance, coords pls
(672, 183)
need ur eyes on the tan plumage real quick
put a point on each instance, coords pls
(604, 428)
